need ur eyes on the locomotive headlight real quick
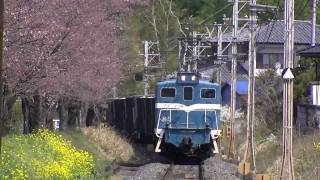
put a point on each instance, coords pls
(183, 78)
(193, 78)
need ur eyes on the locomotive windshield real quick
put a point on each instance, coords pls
(168, 92)
(187, 91)
(208, 93)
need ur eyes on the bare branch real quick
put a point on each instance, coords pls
(172, 13)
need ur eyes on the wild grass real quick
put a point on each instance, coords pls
(115, 145)
(306, 156)
(101, 159)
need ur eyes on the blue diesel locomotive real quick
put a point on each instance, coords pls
(187, 113)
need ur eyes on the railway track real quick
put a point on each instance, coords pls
(126, 170)
(201, 171)
(213, 168)
(171, 172)
(187, 172)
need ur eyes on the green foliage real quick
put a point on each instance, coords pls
(157, 23)
(160, 22)
(153, 23)
(268, 100)
(302, 10)
(14, 118)
(304, 74)
(43, 155)
(204, 11)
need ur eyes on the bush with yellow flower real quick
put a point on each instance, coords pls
(317, 147)
(44, 155)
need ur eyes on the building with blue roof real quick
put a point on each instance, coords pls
(241, 93)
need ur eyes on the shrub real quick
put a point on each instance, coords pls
(268, 101)
(110, 141)
(317, 147)
(43, 155)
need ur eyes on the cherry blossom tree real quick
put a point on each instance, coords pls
(63, 52)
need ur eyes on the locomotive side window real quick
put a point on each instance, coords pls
(168, 92)
(208, 93)
(187, 93)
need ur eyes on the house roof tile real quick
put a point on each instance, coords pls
(273, 33)
(310, 52)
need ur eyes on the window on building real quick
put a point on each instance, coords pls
(208, 93)
(187, 93)
(168, 92)
(273, 59)
(267, 61)
(259, 61)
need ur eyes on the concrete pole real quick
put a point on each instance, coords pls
(231, 153)
(219, 52)
(287, 170)
(251, 107)
(146, 63)
(313, 22)
(193, 64)
(114, 92)
(1, 74)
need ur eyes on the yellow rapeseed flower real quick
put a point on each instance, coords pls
(44, 155)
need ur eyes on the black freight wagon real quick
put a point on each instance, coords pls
(133, 116)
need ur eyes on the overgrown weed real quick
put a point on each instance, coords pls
(114, 144)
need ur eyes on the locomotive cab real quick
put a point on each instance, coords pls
(187, 112)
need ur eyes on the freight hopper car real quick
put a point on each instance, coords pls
(133, 117)
(188, 114)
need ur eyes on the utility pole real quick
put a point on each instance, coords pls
(313, 22)
(114, 92)
(1, 74)
(152, 62)
(219, 52)
(231, 152)
(145, 68)
(249, 148)
(195, 52)
(251, 107)
(287, 170)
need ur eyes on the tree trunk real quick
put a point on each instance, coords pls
(46, 115)
(31, 113)
(26, 115)
(97, 114)
(63, 114)
(35, 112)
(73, 115)
(9, 122)
(43, 111)
(83, 114)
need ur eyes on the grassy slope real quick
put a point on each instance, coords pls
(102, 161)
(305, 156)
(268, 153)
